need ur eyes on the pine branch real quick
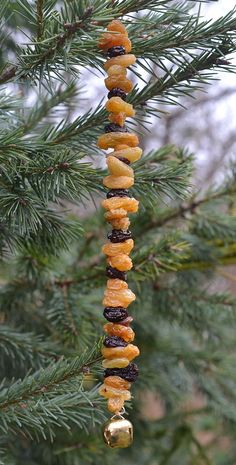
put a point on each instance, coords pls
(214, 227)
(171, 84)
(45, 106)
(24, 349)
(8, 105)
(40, 402)
(191, 35)
(40, 55)
(226, 192)
(40, 14)
(155, 179)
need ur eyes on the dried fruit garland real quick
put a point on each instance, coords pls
(118, 350)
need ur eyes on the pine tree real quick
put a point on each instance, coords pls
(52, 271)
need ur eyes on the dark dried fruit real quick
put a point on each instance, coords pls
(115, 314)
(113, 273)
(116, 51)
(112, 127)
(118, 193)
(129, 373)
(114, 341)
(117, 92)
(125, 160)
(118, 235)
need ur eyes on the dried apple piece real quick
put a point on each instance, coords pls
(115, 404)
(120, 223)
(118, 167)
(122, 262)
(116, 284)
(130, 204)
(116, 69)
(121, 298)
(117, 26)
(117, 382)
(130, 352)
(131, 153)
(121, 60)
(120, 81)
(115, 329)
(116, 104)
(118, 182)
(115, 214)
(107, 391)
(112, 39)
(117, 118)
(115, 363)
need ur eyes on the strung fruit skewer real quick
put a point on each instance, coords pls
(118, 350)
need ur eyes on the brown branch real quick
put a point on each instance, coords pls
(39, 14)
(8, 74)
(179, 212)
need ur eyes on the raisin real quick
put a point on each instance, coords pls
(112, 139)
(118, 193)
(129, 373)
(114, 273)
(115, 51)
(125, 160)
(114, 341)
(117, 92)
(115, 314)
(112, 127)
(114, 181)
(118, 235)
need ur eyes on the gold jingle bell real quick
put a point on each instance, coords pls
(118, 432)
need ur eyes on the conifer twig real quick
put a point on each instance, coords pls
(47, 379)
(39, 12)
(59, 41)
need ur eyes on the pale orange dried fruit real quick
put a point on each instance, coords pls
(112, 39)
(115, 329)
(122, 147)
(116, 214)
(116, 26)
(107, 391)
(112, 139)
(121, 298)
(130, 352)
(115, 404)
(122, 262)
(131, 153)
(118, 167)
(116, 284)
(120, 223)
(117, 382)
(130, 204)
(116, 104)
(111, 249)
(115, 363)
(117, 118)
(121, 60)
(118, 80)
(118, 182)
(116, 69)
